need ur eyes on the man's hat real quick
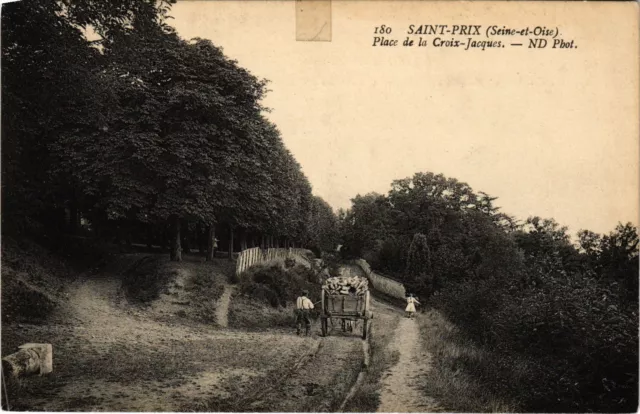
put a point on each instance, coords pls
(305, 292)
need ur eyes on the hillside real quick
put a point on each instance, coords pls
(145, 334)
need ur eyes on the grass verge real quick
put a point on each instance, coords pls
(460, 368)
(367, 397)
(247, 313)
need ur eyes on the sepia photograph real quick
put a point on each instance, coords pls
(394, 206)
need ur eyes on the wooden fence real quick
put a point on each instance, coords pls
(381, 283)
(255, 255)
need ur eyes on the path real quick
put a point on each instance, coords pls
(115, 357)
(400, 392)
(222, 308)
(400, 385)
(109, 356)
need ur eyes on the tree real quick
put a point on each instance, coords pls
(618, 259)
(548, 249)
(321, 227)
(49, 82)
(366, 224)
(418, 276)
(524, 290)
(137, 129)
(181, 140)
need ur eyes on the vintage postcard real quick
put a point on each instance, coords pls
(320, 206)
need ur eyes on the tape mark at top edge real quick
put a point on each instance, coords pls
(313, 20)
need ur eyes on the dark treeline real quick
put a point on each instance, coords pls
(567, 310)
(113, 124)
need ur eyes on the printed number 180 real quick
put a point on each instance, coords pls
(382, 30)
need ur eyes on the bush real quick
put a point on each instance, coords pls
(33, 281)
(586, 332)
(23, 303)
(146, 279)
(289, 262)
(276, 285)
(579, 338)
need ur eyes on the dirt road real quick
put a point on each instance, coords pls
(399, 392)
(109, 356)
(399, 387)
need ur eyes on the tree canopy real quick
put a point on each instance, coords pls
(139, 126)
(522, 290)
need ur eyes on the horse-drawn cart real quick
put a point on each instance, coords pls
(346, 299)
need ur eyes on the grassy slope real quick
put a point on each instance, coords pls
(457, 367)
(138, 335)
(129, 347)
(171, 291)
(251, 306)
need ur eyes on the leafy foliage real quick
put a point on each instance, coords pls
(278, 285)
(523, 291)
(322, 230)
(418, 276)
(141, 129)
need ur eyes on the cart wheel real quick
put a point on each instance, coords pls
(323, 326)
(364, 329)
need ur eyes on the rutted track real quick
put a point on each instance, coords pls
(361, 375)
(112, 357)
(319, 383)
(255, 399)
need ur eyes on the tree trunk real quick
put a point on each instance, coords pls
(243, 240)
(230, 242)
(186, 245)
(262, 242)
(211, 242)
(164, 237)
(176, 249)
(149, 236)
(74, 218)
(199, 238)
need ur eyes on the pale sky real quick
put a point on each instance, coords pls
(549, 132)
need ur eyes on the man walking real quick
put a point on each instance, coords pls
(303, 308)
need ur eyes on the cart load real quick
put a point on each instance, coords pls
(351, 285)
(346, 298)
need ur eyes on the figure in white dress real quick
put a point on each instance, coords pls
(411, 307)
